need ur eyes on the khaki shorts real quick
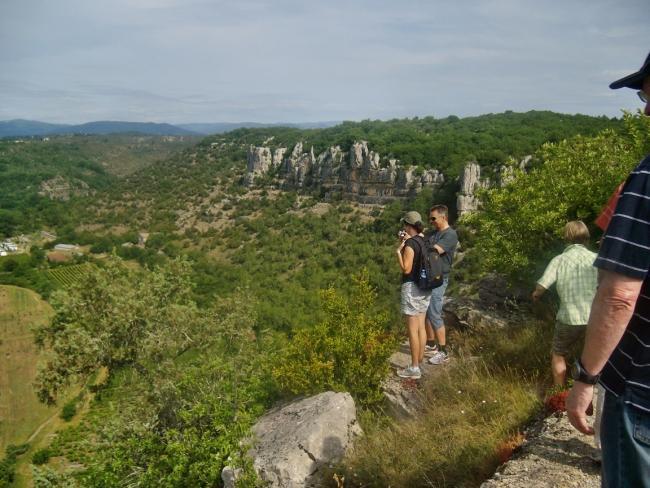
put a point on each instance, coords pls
(567, 338)
(414, 301)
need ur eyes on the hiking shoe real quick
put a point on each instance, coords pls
(410, 372)
(430, 350)
(439, 358)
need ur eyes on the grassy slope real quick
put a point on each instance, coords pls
(20, 410)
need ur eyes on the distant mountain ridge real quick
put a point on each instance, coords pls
(31, 128)
(28, 128)
(221, 127)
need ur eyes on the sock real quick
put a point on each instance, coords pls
(443, 349)
(431, 342)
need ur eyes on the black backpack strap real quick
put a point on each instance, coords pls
(422, 246)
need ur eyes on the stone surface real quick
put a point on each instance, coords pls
(359, 174)
(466, 314)
(555, 455)
(229, 476)
(403, 397)
(259, 160)
(293, 443)
(470, 182)
(495, 291)
(60, 188)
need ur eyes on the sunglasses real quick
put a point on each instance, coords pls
(643, 96)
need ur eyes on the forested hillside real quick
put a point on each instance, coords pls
(445, 144)
(86, 164)
(238, 298)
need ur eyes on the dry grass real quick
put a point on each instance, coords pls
(473, 407)
(20, 411)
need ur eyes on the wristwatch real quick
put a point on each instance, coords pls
(579, 373)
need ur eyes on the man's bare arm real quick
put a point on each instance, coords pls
(440, 249)
(611, 311)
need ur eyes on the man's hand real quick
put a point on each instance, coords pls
(577, 404)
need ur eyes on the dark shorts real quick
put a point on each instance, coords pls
(567, 338)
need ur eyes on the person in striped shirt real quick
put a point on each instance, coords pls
(617, 344)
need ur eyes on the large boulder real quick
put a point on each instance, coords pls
(294, 443)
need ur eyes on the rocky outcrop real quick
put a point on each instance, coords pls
(294, 443)
(471, 181)
(359, 174)
(258, 162)
(60, 188)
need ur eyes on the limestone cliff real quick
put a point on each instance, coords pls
(471, 181)
(359, 174)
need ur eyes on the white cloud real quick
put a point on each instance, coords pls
(188, 60)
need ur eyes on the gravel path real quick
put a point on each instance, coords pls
(555, 455)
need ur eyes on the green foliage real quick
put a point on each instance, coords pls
(200, 377)
(41, 456)
(68, 411)
(92, 161)
(348, 351)
(45, 477)
(24, 270)
(520, 223)
(445, 144)
(113, 316)
(8, 464)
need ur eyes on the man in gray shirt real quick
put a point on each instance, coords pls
(445, 241)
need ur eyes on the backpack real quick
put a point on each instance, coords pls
(429, 274)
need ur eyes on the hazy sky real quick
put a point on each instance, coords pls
(181, 61)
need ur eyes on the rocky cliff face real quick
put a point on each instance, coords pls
(360, 174)
(60, 188)
(471, 181)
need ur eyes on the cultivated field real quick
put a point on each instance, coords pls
(20, 411)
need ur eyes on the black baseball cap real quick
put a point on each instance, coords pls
(635, 80)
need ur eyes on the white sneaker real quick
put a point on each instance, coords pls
(439, 358)
(410, 372)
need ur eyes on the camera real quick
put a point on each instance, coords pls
(401, 234)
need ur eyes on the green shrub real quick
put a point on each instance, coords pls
(8, 464)
(69, 410)
(521, 223)
(348, 351)
(41, 456)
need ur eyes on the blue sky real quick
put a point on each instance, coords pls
(180, 61)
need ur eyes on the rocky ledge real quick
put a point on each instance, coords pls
(554, 454)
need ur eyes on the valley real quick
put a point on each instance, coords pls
(207, 296)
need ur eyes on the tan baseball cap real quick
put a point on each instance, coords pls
(412, 218)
